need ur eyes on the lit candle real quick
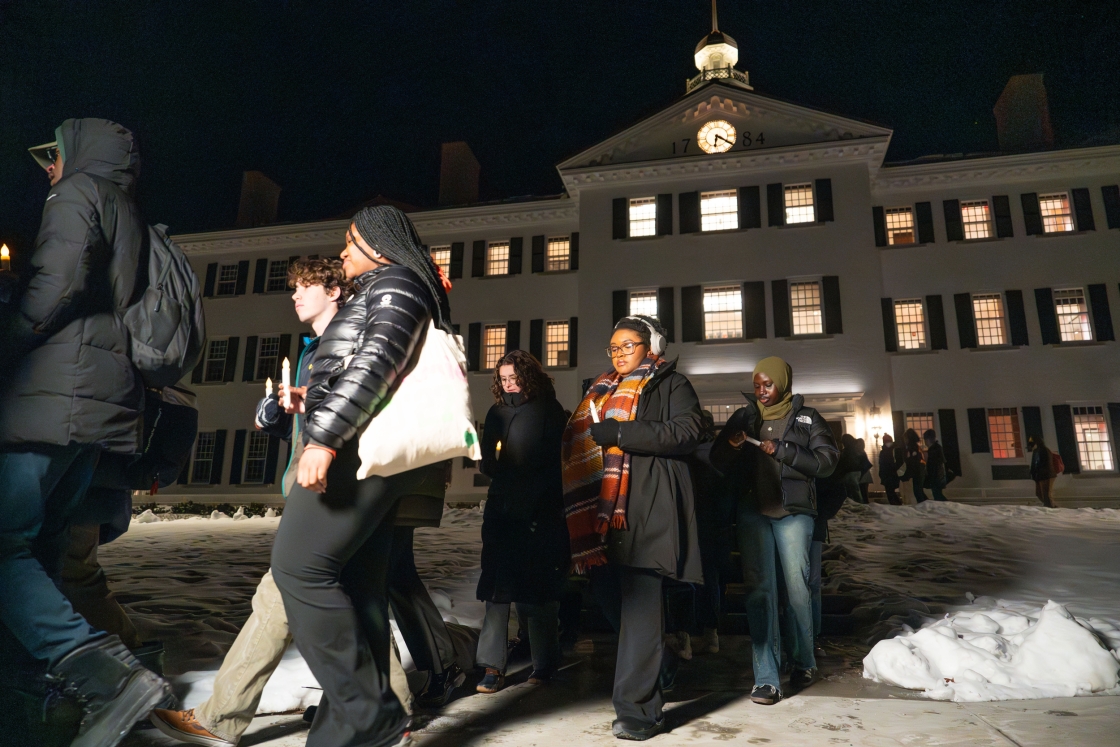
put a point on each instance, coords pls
(286, 380)
(498, 450)
(268, 387)
(5, 258)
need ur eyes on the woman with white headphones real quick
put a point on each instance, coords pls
(629, 506)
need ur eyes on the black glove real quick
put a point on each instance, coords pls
(605, 433)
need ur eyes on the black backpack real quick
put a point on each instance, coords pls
(170, 428)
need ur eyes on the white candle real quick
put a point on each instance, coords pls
(286, 380)
(5, 258)
(498, 450)
(594, 412)
(268, 387)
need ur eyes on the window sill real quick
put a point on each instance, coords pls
(702, 232)
(918, 351)
(730, 340)
(992, 348)
(555, 272)
(1056, 234)
(215, 297)
(643, 238)
(921, 245)
(794, 338)
(1096, 474)
(806, 224)
(985, 240)
(1078, 344)
(495, 277)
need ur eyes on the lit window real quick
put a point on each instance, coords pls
(909, 320)
(1092, 438)
(1073, 315)
(643, 303)
(721, 412)
(1055, 213)
(719, 211)
(988, 311)
(227, 281)
(495, 344)
(900, 226)
(216, 360)
(277, 276)
(977, 219)
(920, 422)
(1003, 428)
(805, 306)
(643, 216)
(203, 457)
(799, 204)
(497, 258)
(556, 344)
(441, 257)
(266, 358)
(723, 313)
(256, 453)
(559, 254)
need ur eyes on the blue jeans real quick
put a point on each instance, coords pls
(815, 584)
(766, 547)
(38, 493)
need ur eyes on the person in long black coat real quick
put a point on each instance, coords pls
(524, 538)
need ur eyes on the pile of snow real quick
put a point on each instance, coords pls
(146, 518)
(291, 687)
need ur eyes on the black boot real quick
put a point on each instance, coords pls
(115, 690)
(441, 687)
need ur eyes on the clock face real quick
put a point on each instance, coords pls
(716, 136)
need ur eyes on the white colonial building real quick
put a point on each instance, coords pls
(971, 295)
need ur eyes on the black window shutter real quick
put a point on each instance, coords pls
(1032, 422)
(516, 249)
(750, 207)
(775, 205)
(478, 259)
(185, 473)
(455, 270)
(238, 454)
(620, 306)
(879, 220)
(196, 374)
(1032, 216)
(978, 430)
(536, 338)
(688, 205)
(923, 213)
(474, 345)
(538, 254)
(692, 313)
(513, 335)
(966, 323)
(242, 277)
(667, 313)
(259, 275)
(665, 215)
(954, 229)
(573, 249)
(1102, 317)
(231, 358)
(573, 341)
(950, 444)
(620, 224)
(824, 201)
(271, 458)
(1114, 423)
(1111, 197)
(1001, 208)
(211, 277)
(1016, 317)
(830, 297)
(754, 310)
(284, 352)
(219, 462)
(1067, 438)
(898, 419)
(1047, 318)
(890, 332)
(247, 372)
(779, 296)
(1083, 209)
(935, 317)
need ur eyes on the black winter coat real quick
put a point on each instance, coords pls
(805, 451)
(888, 467)
(525, 554)
(76, 382)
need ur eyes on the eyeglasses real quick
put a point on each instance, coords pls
(625, 348)
(51, 153)
(508, 379)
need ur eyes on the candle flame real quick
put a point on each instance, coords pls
(4, 252)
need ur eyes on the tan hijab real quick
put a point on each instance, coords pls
(782, 375)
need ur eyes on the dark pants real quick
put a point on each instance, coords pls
(418, 618)
(936, 486)
(538, 622)
(892, 495)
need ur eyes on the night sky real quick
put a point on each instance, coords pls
(341, 101)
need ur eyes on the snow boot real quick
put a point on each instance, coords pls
(441, 687)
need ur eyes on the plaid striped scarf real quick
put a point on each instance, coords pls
(596, 480)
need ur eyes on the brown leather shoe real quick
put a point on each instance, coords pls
(183, 725)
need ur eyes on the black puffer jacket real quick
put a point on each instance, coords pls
(382, 326)
(76, 382)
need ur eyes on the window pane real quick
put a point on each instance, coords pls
(256, 454)
(988, 310)
(723, 313)
(805, 306)
(976, 219)
(1055, 213)
(203, 457)
(497, 258)
(216, 360)
(799, 203)
(227, 280)
(1073, 315)
(495, 344)
(556, 344)
(441, 256)
(1092, 438)
(643, 216)
(909, 320)
(559, 254)
(277, 276)
(266, 359)
(919, 421)
(719, 211)
(900, 226)
(720, 412)
(644, 303)
(1003, 427)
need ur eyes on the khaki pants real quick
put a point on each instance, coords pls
(253, 658)
(83, 582)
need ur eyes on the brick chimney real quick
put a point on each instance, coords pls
(1023, 115)
(458, 175)
(260, 197)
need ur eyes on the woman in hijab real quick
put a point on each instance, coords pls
(774, 448)
(629, 505)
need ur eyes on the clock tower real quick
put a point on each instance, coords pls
(716, 56)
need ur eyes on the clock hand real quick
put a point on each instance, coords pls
(721, 137)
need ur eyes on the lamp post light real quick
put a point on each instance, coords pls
(876, 425)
